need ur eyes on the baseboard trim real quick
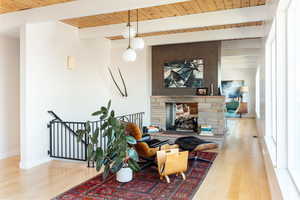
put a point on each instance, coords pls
(271, 174)
(9, 154)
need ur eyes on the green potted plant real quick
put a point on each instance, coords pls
(119, 156)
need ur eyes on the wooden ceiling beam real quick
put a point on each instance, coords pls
(7, 6)
(223, 17)
(164, 11)
(199, 36)
(11, 22)
(208, 28)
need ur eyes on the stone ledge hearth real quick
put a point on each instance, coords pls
(210, 110)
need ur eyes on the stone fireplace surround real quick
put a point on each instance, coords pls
(210, 110)
(182, 119)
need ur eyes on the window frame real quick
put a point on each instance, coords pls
(293, 94)
(269, 109)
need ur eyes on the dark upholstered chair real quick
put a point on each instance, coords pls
(195, 145)
(145, 147)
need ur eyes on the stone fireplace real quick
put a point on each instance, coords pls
(206, 110)
(182, 117)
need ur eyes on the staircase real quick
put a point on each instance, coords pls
(64, 143)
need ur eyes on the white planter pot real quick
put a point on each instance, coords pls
(124, 175)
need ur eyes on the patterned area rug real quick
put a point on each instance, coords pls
(145, 185)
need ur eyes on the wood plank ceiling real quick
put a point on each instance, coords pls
(7, 6)
(208, 28)
(157, 12)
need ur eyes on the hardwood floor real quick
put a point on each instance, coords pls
(237, 174)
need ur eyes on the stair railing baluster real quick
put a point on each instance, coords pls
(63, 137)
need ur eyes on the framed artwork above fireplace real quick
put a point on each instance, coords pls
(184, 74)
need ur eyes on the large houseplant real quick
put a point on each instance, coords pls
(119, 155)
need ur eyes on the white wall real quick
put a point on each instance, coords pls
(260, 120)
(137, 77)
(9, 97)
(239, 61)
(47, 84)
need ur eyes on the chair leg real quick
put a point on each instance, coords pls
(196, 158)
(183, 175)
(145, 165)
(200, 160)
(167, 179)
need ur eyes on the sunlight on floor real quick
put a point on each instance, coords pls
(237, 174)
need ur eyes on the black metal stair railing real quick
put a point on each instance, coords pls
(63, 137)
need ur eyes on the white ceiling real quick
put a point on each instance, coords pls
(11, 22)
(233, 16)
(78, 8)
(241, 54)
(213, 35)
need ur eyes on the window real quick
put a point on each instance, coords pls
(271, 118)
(282, 90)
(257, 104)
(273, 91)
(293, 94)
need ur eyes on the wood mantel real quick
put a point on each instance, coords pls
(188, 96)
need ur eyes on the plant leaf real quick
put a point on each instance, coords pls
(109, 104)
(104, 125)
(87, 126)
(95, 136)
(111, 139)
(99, 153)
(113, 155)
(103, 116)
(99, 112)
(113, 121)
(104, 110)
(105, 161)
(122, 154)
(90, 151)
(99, 164)
(106, 172)
(112, 113)
(117, 166)
(130, 140)
(80, 134)
(107, 132)
(133, 165)
(132, 154)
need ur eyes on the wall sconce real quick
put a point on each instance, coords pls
(70, 62)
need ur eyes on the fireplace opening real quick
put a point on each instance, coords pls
(182, 117)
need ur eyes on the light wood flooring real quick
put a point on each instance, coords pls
(237, 174)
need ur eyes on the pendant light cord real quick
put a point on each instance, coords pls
(137, 22)
(128, 18)
(129, 28)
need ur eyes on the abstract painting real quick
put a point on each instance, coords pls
(231, 89)
(184, 74)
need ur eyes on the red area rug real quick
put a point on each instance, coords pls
(145, 185)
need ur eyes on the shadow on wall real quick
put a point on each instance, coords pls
(9, 97)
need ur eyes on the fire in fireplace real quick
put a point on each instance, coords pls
(182, 117)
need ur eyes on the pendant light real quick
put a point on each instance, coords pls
(129, 55)
(129, 30)
(138, 42)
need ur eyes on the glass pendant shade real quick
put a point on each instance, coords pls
(129, 55)
(138, 43)
(127, 32)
